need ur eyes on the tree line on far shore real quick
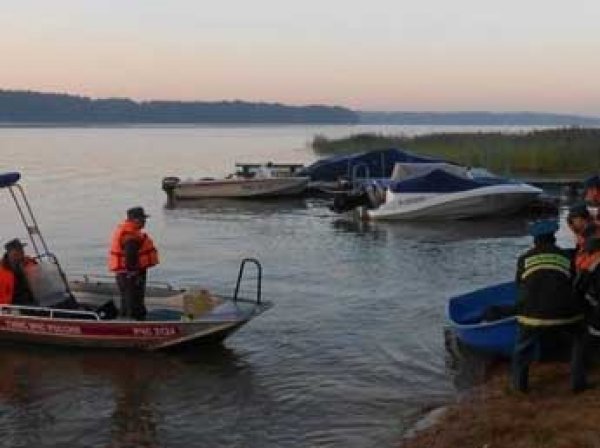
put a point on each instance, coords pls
(559, 151)
(34, 107)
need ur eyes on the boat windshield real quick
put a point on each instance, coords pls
(404, 171)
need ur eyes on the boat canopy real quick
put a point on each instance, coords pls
(441, 181)
(378, 164)
(9, 179)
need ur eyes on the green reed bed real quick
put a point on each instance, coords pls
(549, 152)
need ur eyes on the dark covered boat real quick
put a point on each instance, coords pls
(370, 164)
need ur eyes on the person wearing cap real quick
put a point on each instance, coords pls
(546, 306)
(132, 253)
(14, 287)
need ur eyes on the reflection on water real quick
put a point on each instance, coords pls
(134, 416)
(52, 397)
(192, 207)
(445, 231)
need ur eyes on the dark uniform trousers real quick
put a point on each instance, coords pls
(528, 349)
(132, 288)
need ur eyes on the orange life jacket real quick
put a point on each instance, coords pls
(7, 281)
(585, 261)
(147, 255)
(7, 285)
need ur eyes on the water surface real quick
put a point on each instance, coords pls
(351, 354)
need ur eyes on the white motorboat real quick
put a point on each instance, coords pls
(249, 181)
(441, 191)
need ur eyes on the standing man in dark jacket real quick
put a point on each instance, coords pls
(132, 253)
(546, 305)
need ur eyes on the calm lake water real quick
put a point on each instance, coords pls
(351, 355)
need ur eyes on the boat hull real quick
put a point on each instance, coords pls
(121, 335)
(168, 326)
(465, 314)
(498, 200)
(240, 188)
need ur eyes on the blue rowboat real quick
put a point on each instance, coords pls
(468, 316)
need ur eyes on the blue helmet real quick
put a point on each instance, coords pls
(543, 227)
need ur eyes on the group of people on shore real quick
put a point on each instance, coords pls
(132, 253)
(559, 290)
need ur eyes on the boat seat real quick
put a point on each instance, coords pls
(46, 283)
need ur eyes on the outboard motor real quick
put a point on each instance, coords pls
(168, 185)
(345, 202)
(375, 194)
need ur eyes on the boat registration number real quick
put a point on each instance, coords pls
(154, 331)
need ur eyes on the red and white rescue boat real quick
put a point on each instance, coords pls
(176, 318)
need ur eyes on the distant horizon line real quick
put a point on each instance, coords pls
(361, 110)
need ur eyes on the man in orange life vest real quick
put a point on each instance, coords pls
(581, 223)
(14, 288)
(132, 252)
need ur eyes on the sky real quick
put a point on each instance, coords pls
(417, 55)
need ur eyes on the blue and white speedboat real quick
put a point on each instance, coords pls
(434, 191)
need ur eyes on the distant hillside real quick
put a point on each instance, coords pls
(34, 107)
(476, 118)
(27, 107)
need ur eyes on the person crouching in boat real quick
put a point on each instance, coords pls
(14, 287)
(132, 253)
(546, 305)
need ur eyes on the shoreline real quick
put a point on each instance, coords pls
(493, 415)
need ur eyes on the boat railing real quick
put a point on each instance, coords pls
(356, 171)
(39, 311)
(258, 278)
(92, 278)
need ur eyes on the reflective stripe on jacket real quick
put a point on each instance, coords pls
(532, 321)
(147, 254)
